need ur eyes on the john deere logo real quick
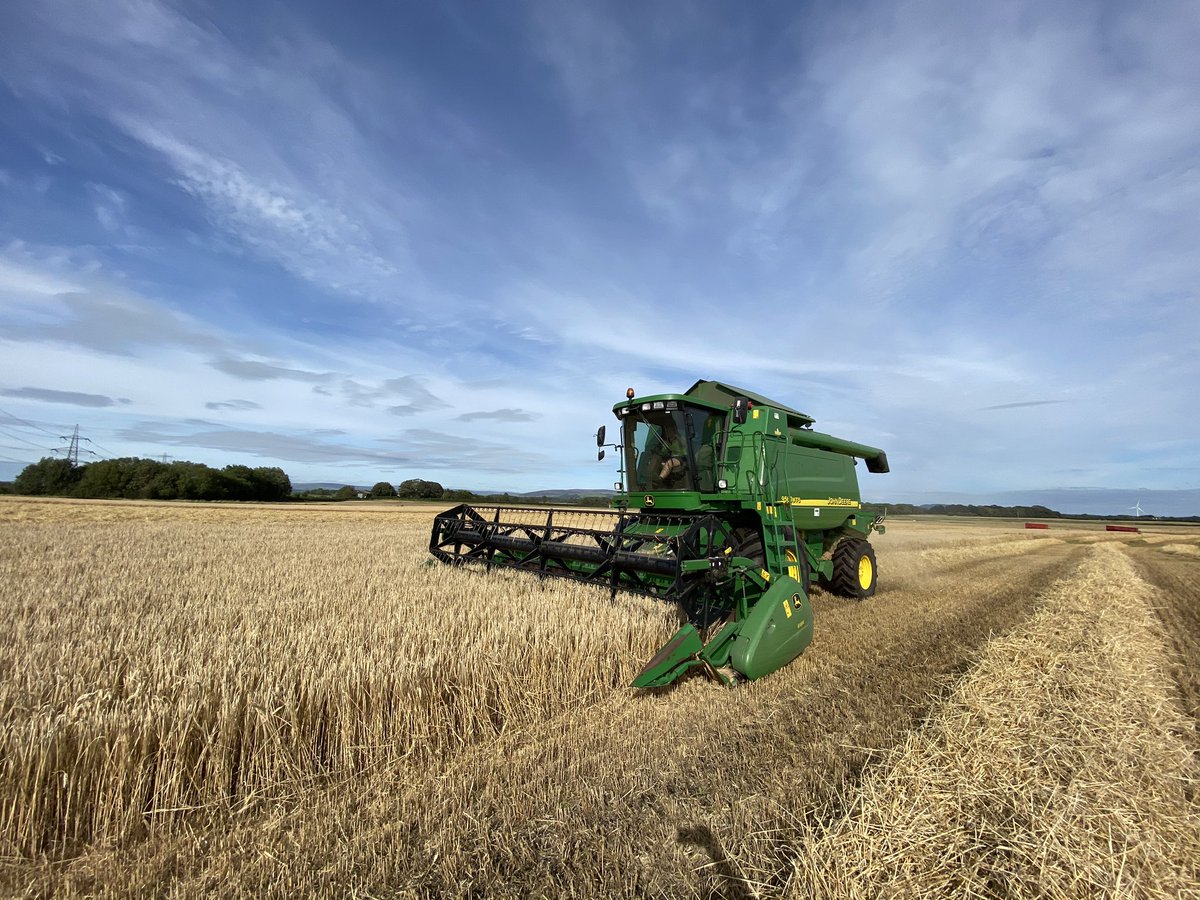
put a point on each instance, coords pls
(649, 500)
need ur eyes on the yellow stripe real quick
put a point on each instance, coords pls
(842, 502)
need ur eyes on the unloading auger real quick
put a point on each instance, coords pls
(730, 505)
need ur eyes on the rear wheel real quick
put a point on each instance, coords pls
(854, 569)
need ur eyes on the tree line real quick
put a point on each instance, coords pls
(412, 489)
(133, 478)
(417, 489)
(420, 489)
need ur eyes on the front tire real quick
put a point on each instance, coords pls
(855, 572)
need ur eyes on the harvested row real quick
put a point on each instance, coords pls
(1182, 549)
(1176, 581)
(1059, 767)
(952, 555)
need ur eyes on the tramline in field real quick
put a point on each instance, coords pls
(730, 504)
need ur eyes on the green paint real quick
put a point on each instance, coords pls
(734, 519)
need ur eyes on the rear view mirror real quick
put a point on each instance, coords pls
(600, 437)
(741, 406)
(600, 456)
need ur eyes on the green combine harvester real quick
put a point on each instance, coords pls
(730, 505)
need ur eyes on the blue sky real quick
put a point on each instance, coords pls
(403, 240)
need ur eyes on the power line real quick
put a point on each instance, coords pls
(105, 449)
(21, 438)
(24, 462)
(29, 424)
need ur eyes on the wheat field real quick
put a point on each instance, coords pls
(277, 700)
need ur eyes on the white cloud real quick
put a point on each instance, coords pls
(19, 282)
(310, 237)
(109, 205)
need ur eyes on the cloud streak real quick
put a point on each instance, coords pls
(310, 237)
(254, 370)
(501, 415)
(413, 449)
(1020, 403)
(106, 321)
(71, 398)
(232, 405)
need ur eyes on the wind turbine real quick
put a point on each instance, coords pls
(1137, 509)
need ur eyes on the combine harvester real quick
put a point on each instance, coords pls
(742, 507)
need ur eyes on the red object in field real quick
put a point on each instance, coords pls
(1036, 525)
(1132, 528)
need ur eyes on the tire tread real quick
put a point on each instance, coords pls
(845, 568)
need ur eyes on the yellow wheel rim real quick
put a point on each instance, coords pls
(866, 572)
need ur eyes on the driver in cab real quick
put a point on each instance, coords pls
(671, 464)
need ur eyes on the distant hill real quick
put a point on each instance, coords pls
(570, 493)
(1069, 501)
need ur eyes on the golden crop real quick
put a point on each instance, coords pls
(289, 700)
(211, 658)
